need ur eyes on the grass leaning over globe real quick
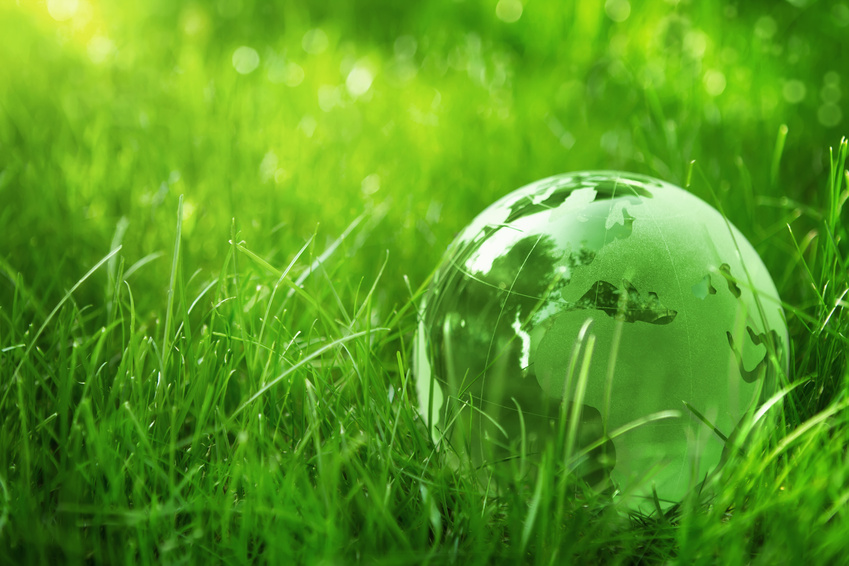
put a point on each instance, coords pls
(614, 313)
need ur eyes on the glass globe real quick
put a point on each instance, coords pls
(612, 312)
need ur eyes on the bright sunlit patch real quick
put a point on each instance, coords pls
(245, 60)
(509, 10)
(359, 81)
(62, 10)
(617, 10)
(524, 358)
(714, 82)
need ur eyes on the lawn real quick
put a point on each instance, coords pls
(219, 219)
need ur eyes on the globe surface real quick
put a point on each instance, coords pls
(677, 308)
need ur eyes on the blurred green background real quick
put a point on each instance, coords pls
(295, 118)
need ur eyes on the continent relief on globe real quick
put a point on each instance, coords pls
(668, 284)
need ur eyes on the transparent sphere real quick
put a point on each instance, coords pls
(576, 309)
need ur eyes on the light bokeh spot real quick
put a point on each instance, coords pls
(315, 41)
(695, 43)
(308, 125)
(794, 91)
(714, 82)
(99, 49)
(831, 78)
(329, 97)
(371, 184)
(509, 10)
(268, 166)
(194, 21)
(359, 80)
(840, 12)
(282, 72)
(62, 10)
(405, 47)
(245, 60)
(830, 94)
(765, 27)
(829, 115)
(294, 74)
(617, 10)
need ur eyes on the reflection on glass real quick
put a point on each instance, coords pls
(675, 318)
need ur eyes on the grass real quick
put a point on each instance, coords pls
(208, 279)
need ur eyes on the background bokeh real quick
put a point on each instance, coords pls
(288, 119)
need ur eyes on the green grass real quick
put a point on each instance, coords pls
(209, 280)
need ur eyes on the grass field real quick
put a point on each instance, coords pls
(218, 219)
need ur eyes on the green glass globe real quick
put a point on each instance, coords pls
(578, 308)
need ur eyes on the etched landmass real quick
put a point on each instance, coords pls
(625, 303)
(561, 201)
(619, 224)
(768, 339)
(620, 188)
(703, 288)
(725, 270)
